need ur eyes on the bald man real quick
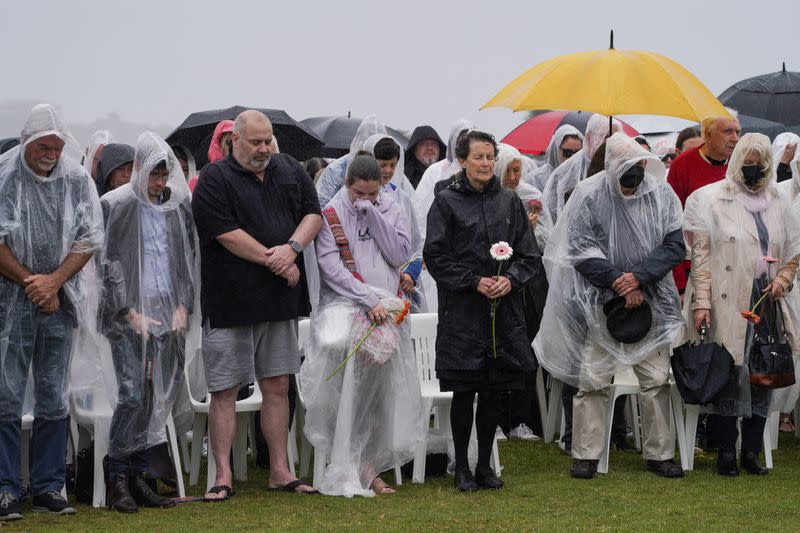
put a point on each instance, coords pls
(255, 212)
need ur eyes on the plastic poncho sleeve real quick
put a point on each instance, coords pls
(662, 260)
(451, 274)
(386, 236)
(336, 275)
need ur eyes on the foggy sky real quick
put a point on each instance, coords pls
(412, 62)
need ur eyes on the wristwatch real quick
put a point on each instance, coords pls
(296, 246)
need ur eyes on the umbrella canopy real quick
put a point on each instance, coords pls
(195, 132)
(8, 144)
(774, 96)
(533, 135)
(338, 132)
(759, 125)
(611, 82)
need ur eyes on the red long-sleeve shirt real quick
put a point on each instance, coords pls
(690, 171)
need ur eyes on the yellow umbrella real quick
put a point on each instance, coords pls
(611, 82)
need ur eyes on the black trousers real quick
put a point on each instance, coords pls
(752, 433)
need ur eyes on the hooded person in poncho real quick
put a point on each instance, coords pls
(565, 142)
(148, 272)
(389, 155)
(94, 149)
(365, 416)
(424, 149)
(50, 225)
(114, 167)
(332, 178)
(619, 236)
(743, 234)
(574, 170)
(785, 399)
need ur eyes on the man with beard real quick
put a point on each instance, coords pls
(424, 149)
(253, 209)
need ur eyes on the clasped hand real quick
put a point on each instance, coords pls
(42, 290)
(280, 260)
(494, 287)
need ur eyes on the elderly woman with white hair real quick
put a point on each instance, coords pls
(737, 228)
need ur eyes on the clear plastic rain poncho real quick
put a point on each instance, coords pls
(367, 417)
(332, 178)
(148, 286)
(91, 155)
(730, 229)
(790, 188)
(42, 220)
(600, 223)
(398, 189)
(572, 171)
(449, 166)
(539, 177)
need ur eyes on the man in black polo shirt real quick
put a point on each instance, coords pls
(255, 211)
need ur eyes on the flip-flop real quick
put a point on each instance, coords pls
(292, 485)
(216, 490)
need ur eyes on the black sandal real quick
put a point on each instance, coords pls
(292, 485)
(216, 490)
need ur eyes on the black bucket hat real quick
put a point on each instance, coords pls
(627, 326)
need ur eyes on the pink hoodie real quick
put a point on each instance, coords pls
(214, 149)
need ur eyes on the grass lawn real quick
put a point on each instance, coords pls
(539, 496)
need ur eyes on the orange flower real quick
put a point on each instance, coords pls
(751, 316)
(402, 314)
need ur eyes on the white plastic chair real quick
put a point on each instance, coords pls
(96, 420)
(320, 456)
(200, 400)
(423, 337)
(554, 410)
(625, 383)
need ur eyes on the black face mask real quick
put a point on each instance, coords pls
(752, 174)
(632, 177)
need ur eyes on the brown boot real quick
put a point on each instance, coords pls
(146, 496)
(121, 499)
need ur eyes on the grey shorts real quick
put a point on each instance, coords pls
(236, 356)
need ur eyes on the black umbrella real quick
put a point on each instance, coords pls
(294, 138)
(774, 96)
(701, 371)
(759, 125)
(337, 133)
(8, 144)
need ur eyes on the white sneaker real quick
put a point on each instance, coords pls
(523, 432)
(499, 435)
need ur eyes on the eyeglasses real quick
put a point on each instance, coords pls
(567, 153)
(669, 156)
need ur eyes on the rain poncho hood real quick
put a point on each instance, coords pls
(422, 133)
(42, 220)
(538, 178)
(505, 155)
(567, 175)
(789, 187)
(599, 223)
(214, 149)
(530, 196)
(149, 266)
(423, 196)
(114, 156)
(332, 178)
(100, 138)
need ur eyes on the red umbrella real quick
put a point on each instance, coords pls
(533, 135)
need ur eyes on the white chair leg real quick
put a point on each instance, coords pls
(198, 432)
(768, 445)
(602, 465)
(101, 429)
(75, 438)
(773, 424)
(553, 410)
(398, 476)
(172, 439)
(420, 457)
(186, 457)
(636, 420)
(676, 406)
(320, 461)
(496, 466)
(291, 450)
(211, 475)
(690, 426)
(541, 396)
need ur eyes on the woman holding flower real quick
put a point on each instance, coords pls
(481, 343)
(359, 378)
(743, 238)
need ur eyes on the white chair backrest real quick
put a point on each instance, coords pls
(626, 377)
(423, 337)
(195, 376)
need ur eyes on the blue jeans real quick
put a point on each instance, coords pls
(46, 342)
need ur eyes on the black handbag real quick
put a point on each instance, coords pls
(771, 362)
(701, 370)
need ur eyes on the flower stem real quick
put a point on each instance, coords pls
(354, 350)
(759, 301)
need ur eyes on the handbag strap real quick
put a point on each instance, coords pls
(773, 328)
(341, 241)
